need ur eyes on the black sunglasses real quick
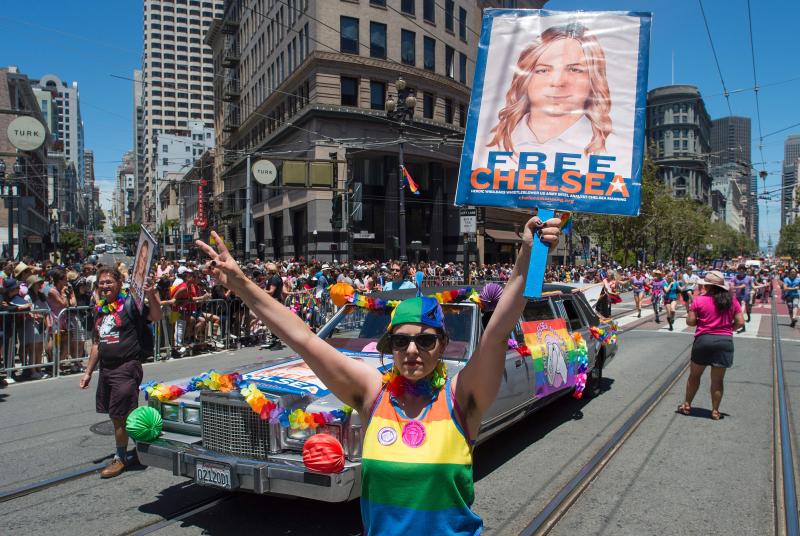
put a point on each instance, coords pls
(423, 341)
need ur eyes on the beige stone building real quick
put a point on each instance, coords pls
(305, 82)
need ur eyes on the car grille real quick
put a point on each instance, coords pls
(229, 426)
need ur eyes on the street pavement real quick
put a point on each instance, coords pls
(676, 475)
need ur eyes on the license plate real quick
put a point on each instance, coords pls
(213, 474)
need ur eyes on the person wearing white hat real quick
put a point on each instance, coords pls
(716, 314)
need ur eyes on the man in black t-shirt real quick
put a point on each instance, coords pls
(275, 289)
(119, 345)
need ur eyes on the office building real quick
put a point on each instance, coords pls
(678, 137)
(177, 79)
(791, 152)
(138, 139)
(304, 85)
(70, 123)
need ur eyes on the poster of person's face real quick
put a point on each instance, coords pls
(557, 115)
(145, 250)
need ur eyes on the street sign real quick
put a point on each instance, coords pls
(364, 235)
(26, 133)
(471, 238)
(469, 220)
(264, 172)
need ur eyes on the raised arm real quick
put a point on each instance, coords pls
(354, 382)
(478, 383)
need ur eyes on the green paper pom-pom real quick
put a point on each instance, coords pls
(144, 424)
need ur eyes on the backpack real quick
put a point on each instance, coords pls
(143, 331)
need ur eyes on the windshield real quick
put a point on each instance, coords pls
(358, 329)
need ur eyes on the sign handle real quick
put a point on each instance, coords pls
(533, 284)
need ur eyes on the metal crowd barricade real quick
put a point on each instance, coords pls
(26, 338)
(237, 324)
(202, 326)
(72, 336)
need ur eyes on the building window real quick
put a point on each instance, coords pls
(165, 148)
(430, 53)
(377, 95)
(349, 35)
(378, 2)
(462, 115)
(408, 47)
(448, 110)
(165, 161)
(427, 106)
(449, 7)
(428, 11)
(449, 61)
(377, 40)
(407, 6)
(462, 23)
(349, 91)
(462, 67)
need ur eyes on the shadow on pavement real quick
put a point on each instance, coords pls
(257, 514)
(513, 440)
(702, 413)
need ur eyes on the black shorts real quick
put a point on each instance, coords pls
(118, 388)
(686, 294)
(713, 351)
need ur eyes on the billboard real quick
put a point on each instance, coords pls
(557, 115)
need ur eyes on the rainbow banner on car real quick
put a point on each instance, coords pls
(554, 353)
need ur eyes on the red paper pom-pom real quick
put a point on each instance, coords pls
(323, 453)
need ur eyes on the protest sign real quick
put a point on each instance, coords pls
(145, 251)
(561, 125)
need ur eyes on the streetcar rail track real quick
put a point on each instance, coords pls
(47, 483)
(555, 509)
(180, 515)
(785, 494)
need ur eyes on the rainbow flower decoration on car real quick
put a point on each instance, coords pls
(582, 359)
(266, 409)
(605, 336)
(447, 296)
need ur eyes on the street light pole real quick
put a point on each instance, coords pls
(399, 111)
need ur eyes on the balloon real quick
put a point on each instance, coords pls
(144, 424)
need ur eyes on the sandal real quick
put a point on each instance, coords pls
(685, 408)
(715, 415)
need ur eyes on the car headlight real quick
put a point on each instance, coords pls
(170, 412)
(299, 434)
(191, 415)
(331, 429)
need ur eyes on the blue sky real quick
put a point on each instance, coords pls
(91, 40)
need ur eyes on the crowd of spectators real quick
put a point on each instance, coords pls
(199, 313)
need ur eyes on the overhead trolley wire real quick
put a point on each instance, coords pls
(716, 59)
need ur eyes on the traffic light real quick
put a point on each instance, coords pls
(336, 212)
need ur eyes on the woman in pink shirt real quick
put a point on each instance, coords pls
(716, 313)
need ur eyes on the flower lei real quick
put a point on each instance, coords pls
(448, 296)
(605, 336)
(398, 385)
(260, 404)
(104, 307)
(583, 365)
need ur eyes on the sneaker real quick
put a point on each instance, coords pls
(793, 322)
(740, 330)
(115, 468)
(639, 315)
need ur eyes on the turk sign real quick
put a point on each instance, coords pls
(26, 133)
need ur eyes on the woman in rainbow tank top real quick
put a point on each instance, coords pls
(417, 453)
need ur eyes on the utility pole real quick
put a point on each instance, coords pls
(180, 220)
(247, 212)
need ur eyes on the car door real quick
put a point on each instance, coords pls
(518, 385)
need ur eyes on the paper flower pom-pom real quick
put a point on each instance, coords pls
(340, 292)
(323, 453)
(144, 424)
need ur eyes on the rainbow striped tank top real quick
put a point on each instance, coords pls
(422, 489)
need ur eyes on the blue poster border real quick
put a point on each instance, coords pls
(462, 196)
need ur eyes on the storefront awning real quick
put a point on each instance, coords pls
(499, 235)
